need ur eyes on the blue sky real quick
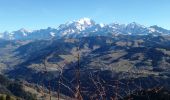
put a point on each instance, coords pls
(36, 14)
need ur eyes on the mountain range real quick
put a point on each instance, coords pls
(102, 60)
(83, 28)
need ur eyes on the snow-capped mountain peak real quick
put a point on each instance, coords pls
(23, 30)
(159, 30)
(84, 27)
(102, 25)
(134, 25)
(77, 26)
(85, 21)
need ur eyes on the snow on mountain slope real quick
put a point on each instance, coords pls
(84, 27)
(1, 35)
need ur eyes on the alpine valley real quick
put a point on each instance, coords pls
(84, 60)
